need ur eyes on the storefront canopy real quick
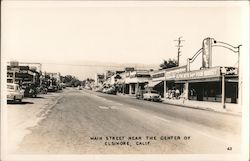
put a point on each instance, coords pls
(152, 84)
(199, 80)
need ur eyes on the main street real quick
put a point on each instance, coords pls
(86, 122)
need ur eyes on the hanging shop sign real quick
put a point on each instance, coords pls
(207, 53)
(158, 75)
(199, 74)
(168, 74)
(171, 74)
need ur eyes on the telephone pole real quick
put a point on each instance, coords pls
(179, 49)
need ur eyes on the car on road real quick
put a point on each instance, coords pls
(152, 95)
(14, 93)
(109, 90)
(79, 87)
(98, 89)
(30, 89)
(52, 88)
(43, 89)
(63, 85)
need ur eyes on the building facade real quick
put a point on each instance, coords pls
(19, 74)
(207, 84)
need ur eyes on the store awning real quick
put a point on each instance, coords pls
(152, 84)
(199, 80)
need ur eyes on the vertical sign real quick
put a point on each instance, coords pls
(207, 53)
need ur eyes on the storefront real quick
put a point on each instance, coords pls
(22, 74)
(133, 81)
(164, 80)
(206, 84)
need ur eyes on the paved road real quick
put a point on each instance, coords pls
(86, 122)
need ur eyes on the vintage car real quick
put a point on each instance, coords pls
(14, 93)
(79, 87)
(109, 90)
(30, 89)
(151, 95)
(52, 88)
(43, 89)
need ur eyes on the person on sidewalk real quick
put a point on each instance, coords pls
(173, 94)
(177, 93)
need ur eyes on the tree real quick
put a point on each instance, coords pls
(170, 63)
(71, 81)
(68, 78)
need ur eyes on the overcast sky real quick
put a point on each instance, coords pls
(60, 33)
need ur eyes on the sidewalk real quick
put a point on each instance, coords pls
(22, 116)
(203, 105)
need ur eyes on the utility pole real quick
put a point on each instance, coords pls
(179, 49)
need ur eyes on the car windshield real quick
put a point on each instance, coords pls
(10, 87)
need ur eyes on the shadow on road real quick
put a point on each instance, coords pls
(19, 103)
(39, 97)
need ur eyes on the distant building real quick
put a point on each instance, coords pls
(99, 79)
(131, 80)
(19, 74)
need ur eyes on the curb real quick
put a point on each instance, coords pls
(205, 109)
(192, 107)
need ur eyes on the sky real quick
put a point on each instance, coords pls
(82, 38)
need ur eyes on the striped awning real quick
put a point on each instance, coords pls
(152, 84)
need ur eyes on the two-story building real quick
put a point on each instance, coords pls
(19, 74)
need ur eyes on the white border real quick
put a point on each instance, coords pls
(245, 62)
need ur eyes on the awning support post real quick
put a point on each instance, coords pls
(223, 92)
(165, 91)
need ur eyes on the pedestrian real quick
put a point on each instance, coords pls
(173, 93)
(169, 94)
(177, 93)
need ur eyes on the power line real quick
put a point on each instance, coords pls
(107, 66)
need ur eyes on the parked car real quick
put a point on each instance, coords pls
(14, 92)
(63, 85)
(30, 89)
(52, 88)
(152, 95)
(110, 90)
(79, 87)
(98, 89)
(59, 87)
(43, 89)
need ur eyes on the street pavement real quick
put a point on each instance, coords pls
(86, 122)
